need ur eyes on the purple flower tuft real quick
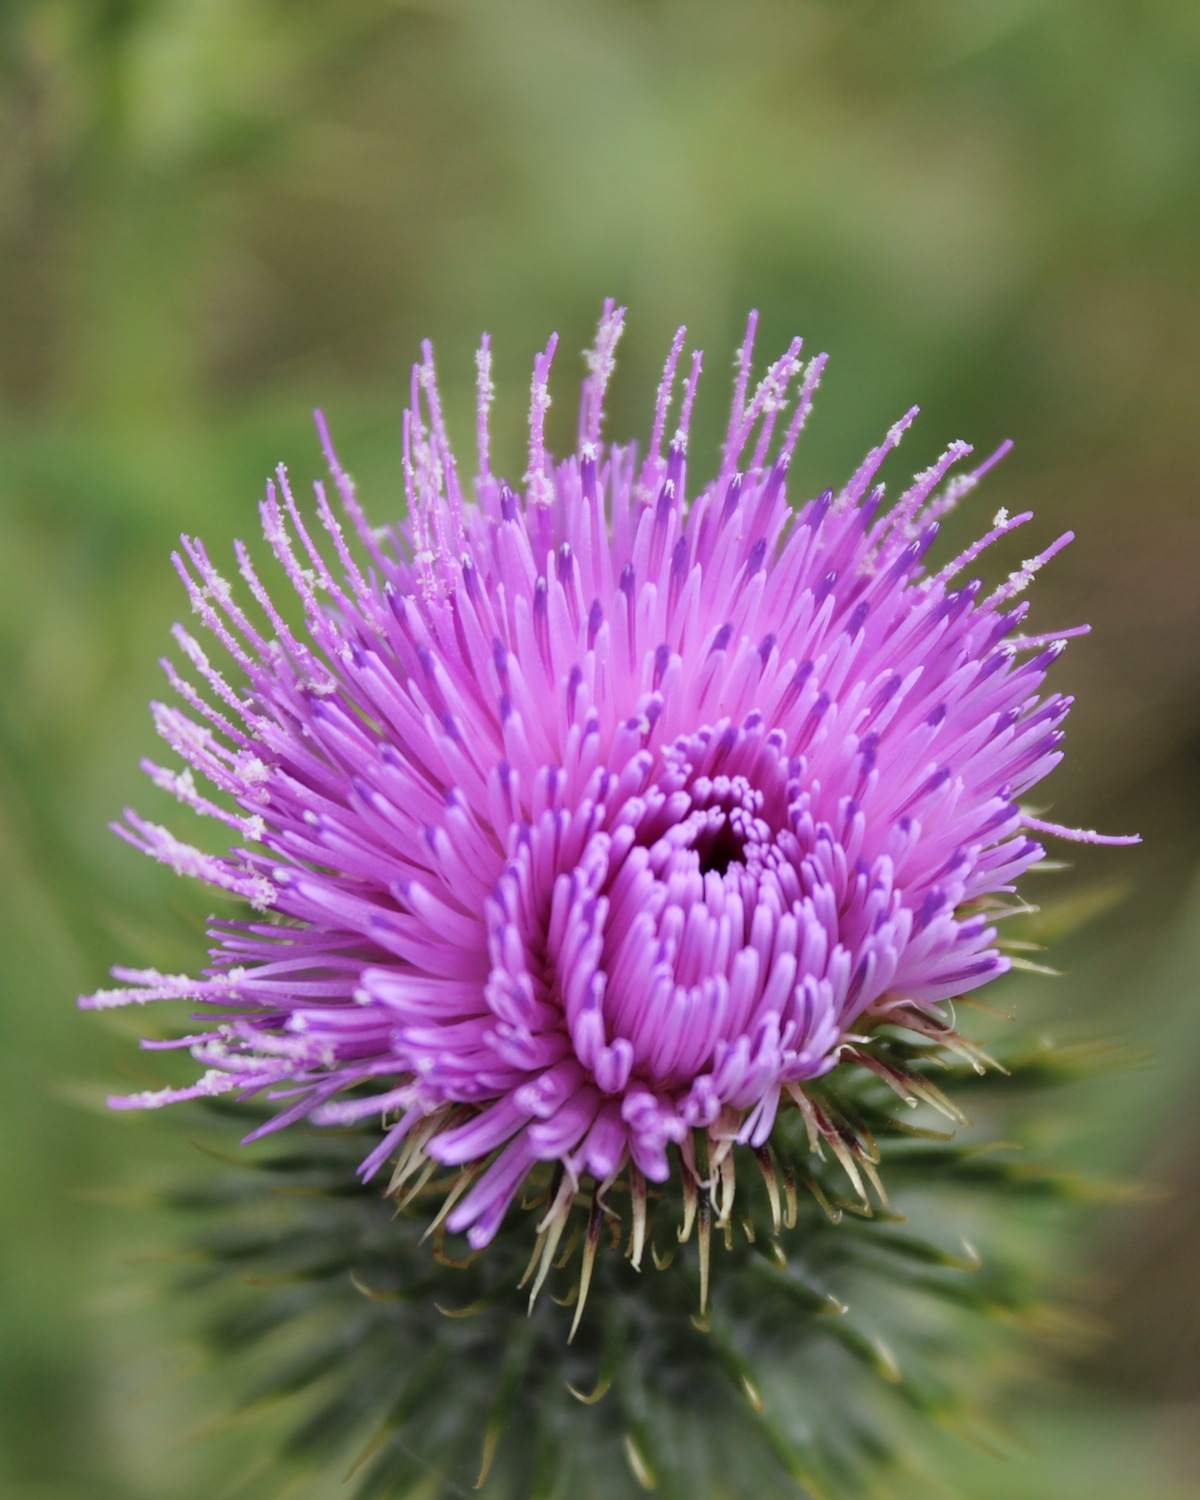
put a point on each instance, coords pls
(590, 816)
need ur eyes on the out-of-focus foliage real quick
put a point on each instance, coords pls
(215, 214)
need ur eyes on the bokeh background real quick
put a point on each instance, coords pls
(217, 214)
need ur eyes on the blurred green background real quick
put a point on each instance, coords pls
(216, 214)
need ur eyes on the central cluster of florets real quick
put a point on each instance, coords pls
(663, 957)
(599, 817)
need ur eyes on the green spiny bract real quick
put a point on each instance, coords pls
(828, 1322)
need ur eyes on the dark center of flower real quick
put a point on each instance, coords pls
(728, 829)
(721, 849)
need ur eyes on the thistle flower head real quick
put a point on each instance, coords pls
(594, 818)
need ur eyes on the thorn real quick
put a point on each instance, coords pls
(404, 1199)
(462, 1312)
(834, 1215)
(369, 1452)
(411, 1159)
(539, 1246)
(869, 1168)
(789, 1192)
(767, 1167)
(639, 1463)
(684, 1231)
(564, 1259)
(887, 1365)
(661, 1262)
(371, 1294)
(595, 1215)
(842, 1141)
(753, 1394)
(603, 1385)
(465, 1177)
(804, 1105)
(491, 1439)
(727, 1186)
(637, 1235)
(705, 1217)
(455, 1265)
(549, 1233)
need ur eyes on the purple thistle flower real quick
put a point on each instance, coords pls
(590, 818)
